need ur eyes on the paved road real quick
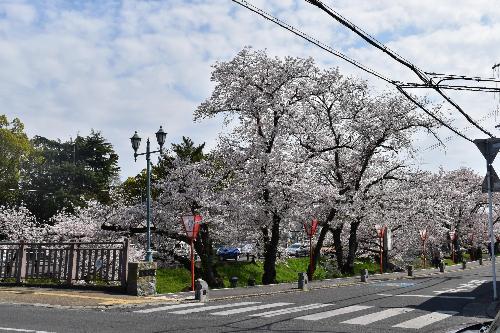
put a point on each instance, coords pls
(436, 303)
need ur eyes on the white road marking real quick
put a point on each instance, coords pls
(169, 307)
(21, 330)
(273, 313)
(426, 319)
(333, 313)
(249, 308)
(214, 307)
(427, 296)
(462, 287)
(377, 316)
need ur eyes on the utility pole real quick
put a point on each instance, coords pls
(489, 148)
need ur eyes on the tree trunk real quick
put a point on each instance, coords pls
(337, 242)
(348, 267)
(204, 248)
(271, 250)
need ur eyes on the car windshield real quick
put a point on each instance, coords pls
(295, 245)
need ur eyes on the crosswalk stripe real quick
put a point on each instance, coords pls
(213, 307)
(428, 296)
(336, 312)
(425, 320)
(249, 308)
(273, 313)
(373, 317)
(169, 307)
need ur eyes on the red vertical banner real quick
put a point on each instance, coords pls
(423, 237)
(191, 224)
(380, 234)
(310, 228)
(453, 236)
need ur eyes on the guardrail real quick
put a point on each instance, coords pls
(64, 263)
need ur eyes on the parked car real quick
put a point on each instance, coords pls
(228, 252)
(248, 248)
(297, 250)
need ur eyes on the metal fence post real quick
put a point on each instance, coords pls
(124, 263)
(21, 263)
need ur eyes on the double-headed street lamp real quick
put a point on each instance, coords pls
(136, 141)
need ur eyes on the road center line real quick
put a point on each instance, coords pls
(22, 330)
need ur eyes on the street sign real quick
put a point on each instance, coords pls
(310, 227)
(495, 182)
(423, 234)
(488, 147)
(191, 225)
(388, 239)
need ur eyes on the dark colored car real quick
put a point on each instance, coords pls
(228, 252)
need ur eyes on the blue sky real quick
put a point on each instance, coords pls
(67, 67)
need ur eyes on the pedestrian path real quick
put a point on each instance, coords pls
(360, 315)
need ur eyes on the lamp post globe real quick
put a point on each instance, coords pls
(136, 141)
(160, 137)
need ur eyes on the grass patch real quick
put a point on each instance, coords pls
(172, 280)
(178, 279)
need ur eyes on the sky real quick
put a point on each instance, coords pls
(69, 66)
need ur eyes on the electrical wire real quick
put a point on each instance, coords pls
(312, 40)
(398, 84)
(421, 74)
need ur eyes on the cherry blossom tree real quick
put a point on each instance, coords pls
(258, 95)
(353, 139)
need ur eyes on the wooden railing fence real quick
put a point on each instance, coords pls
(67, 263)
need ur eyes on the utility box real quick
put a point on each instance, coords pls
(141, 280)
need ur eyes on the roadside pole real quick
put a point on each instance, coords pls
(490, 224)
(191, 223)
(310, 229)
(489, 148)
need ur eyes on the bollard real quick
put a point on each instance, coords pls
(248, 256)
(480, 260)
(251, 282)
(303, 283)
(233, 282)
(410, 270)
(364, 275)
(464, 264)
(441, 266)
(200, 290)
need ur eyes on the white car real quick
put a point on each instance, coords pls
(297, 250)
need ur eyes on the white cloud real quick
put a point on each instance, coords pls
(120, 66)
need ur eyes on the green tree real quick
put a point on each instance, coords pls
(63, 175)
(15, 148)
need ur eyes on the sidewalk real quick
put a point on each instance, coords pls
(70, 298)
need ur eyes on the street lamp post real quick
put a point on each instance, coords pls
(136, 141)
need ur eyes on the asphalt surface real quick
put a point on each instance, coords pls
(428, 302)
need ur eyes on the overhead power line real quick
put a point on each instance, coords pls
(420, 74)
(398, 84)
(312, 40)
